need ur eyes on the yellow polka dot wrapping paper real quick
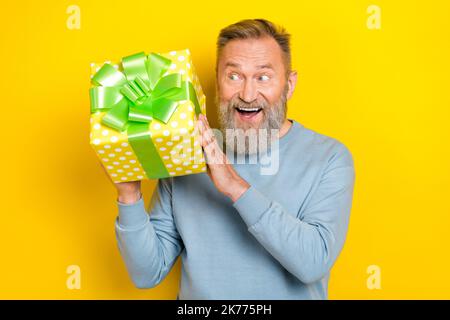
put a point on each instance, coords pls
(145, 146)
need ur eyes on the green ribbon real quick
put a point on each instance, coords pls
(134, 98)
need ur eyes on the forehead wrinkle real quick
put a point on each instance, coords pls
(257, 64)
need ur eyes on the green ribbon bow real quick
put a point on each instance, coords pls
(134, 98)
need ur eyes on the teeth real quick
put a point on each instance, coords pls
(250, 109)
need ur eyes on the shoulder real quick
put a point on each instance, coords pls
(324, 147)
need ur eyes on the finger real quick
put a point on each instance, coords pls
(214, 154)
(205, 121)
(207, 134)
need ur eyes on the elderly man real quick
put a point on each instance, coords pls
(243, 234)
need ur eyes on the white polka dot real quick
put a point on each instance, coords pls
(113, 174)
(178, 169)
(179, 146)
(188, 171)
(195, 166)
(107, 146)
(109, 167)
(111, 155)
(173, 152)
(183, 130)
(96, 141)
(132, 161)
(188, 65)
(166, 132)
(123, 178)
(190, 123)
(120, 170)
(101, 151)
(140, 177)
(195, 142)
(165, 157)
(125, 166)
(156, 126)
(172, 53)
(183, 115)
(190, 108)
(172, 173)
(182, 72)
(124, 144)
(128, 153)
(189, 150)
(96, 126)
(199, 151)
(204, 169)
(135, 169)
(169, 143)
(181, 58)
(117, 150)
(186, 163)
(116, 163)
(176, 138)
(122, 158)
(169, 165)
(162, 149)
(105, 159)
(183, 155)
(105, 132)
(114, 139)
(174, 124)
(130, 173)
(173, 66)
(176, 161)
(159, 139)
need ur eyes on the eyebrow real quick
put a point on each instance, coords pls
(237, 65)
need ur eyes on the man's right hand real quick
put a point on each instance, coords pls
(128, 192)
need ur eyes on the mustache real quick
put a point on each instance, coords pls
(238, 103)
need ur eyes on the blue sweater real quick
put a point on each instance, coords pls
(279, 240)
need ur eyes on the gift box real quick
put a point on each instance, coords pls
(143, 114)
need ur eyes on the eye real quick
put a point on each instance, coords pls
(234, 76)
(263, 78)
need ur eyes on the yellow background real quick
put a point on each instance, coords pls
(384, 93)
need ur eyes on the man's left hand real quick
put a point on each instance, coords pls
(219, 169)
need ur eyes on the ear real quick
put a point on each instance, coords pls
(292, 81)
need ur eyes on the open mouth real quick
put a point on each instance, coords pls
(248, 112)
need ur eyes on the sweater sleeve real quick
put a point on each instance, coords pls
(306, 244)
(148, 243)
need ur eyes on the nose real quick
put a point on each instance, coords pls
(249, 92)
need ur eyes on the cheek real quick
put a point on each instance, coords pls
(273, 92)
(226, 92)
(271, 95)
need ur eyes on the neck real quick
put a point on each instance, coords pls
(285, 127)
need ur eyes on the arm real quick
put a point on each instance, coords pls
(307, 246)
(149, 244)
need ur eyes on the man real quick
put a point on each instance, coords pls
(242, 234)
